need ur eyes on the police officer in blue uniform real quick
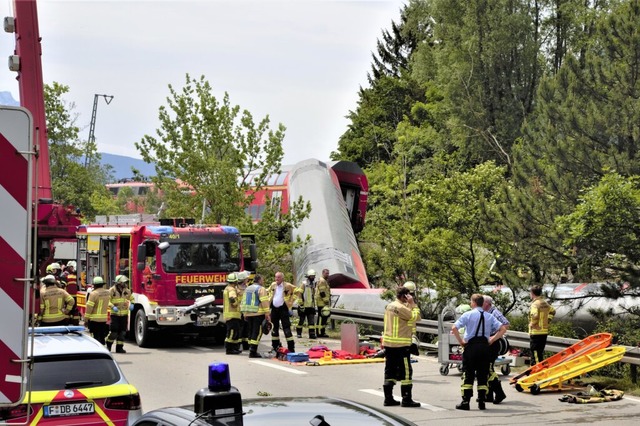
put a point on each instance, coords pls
(476, 356)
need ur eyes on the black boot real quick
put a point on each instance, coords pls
(499, 393)
(120, 349)
(109, 345)
(407, 400)
(389, 401)
(481, 398)
(464, 405)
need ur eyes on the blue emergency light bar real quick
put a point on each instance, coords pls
(219, 378)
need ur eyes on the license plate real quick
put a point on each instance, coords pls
(69, 409)
(203, 322)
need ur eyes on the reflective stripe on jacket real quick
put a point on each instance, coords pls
(98, 305)
(231, 308)
(120, 299)
(55, 304)
(397, 324)
(323, 293)
(539, 316)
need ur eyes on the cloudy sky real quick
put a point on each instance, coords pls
(299, 61)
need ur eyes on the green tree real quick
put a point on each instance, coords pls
(208, 155)
(602, 232)
(71, 182)
(211, 159)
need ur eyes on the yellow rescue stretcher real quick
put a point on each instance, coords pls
(555, 376)
(583, 347)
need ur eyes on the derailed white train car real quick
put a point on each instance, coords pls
(332, 241)
(338, 193)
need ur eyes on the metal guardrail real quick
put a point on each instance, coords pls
(517, 339)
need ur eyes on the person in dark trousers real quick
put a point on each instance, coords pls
(306, 298)
(96, 312)
(120, 299)
(398, 316)
(255, 308)
(476, 355)
(281, 296)
(540, 313)
(495, 393)
(323, 302)
(232, 315)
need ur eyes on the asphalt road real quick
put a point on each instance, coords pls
(171, 374)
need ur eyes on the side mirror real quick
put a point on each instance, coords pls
(142, 253)
(253, 251)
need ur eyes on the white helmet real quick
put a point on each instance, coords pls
(410, 285)
(311, 273)
(121, 279)
(71, 263)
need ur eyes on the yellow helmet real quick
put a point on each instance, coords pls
(232, 278)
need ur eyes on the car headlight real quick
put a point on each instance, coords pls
(167, 314)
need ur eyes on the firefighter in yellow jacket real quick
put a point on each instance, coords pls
(323, 302)
(398, 316)
(55, 303)
(120, 301)
(540, 314)
(306, 298)
(95, 314)
(232, 315)
(281, 297)
(255, 308)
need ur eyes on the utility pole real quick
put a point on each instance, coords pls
(91, 143)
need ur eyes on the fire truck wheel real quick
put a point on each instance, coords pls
(142, 333)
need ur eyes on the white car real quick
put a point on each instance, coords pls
(75, 381)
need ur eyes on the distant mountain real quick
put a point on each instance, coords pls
(120, 163)
(122, 166)
(6, 98)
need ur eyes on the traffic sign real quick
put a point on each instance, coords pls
(16, 142)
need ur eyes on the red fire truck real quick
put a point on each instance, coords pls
(177, 271)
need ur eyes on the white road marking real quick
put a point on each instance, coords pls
(422, 404)
(279, 367)
(631, 399)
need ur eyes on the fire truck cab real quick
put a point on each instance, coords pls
(177, 272)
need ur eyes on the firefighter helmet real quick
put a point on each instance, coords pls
(49, 280)
(232, 278)
(266, 326)
(71, 264)
(121, 279)
(410, 285)
(98, 282)
(325, 312)
(311, 273)
(243, 275)
(54, 265)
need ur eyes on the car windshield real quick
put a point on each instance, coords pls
(201, 257)
(72, 372)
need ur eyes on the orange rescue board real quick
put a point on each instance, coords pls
(583, 347)
(567, 370)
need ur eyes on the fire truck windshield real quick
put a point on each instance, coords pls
(202, 257)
